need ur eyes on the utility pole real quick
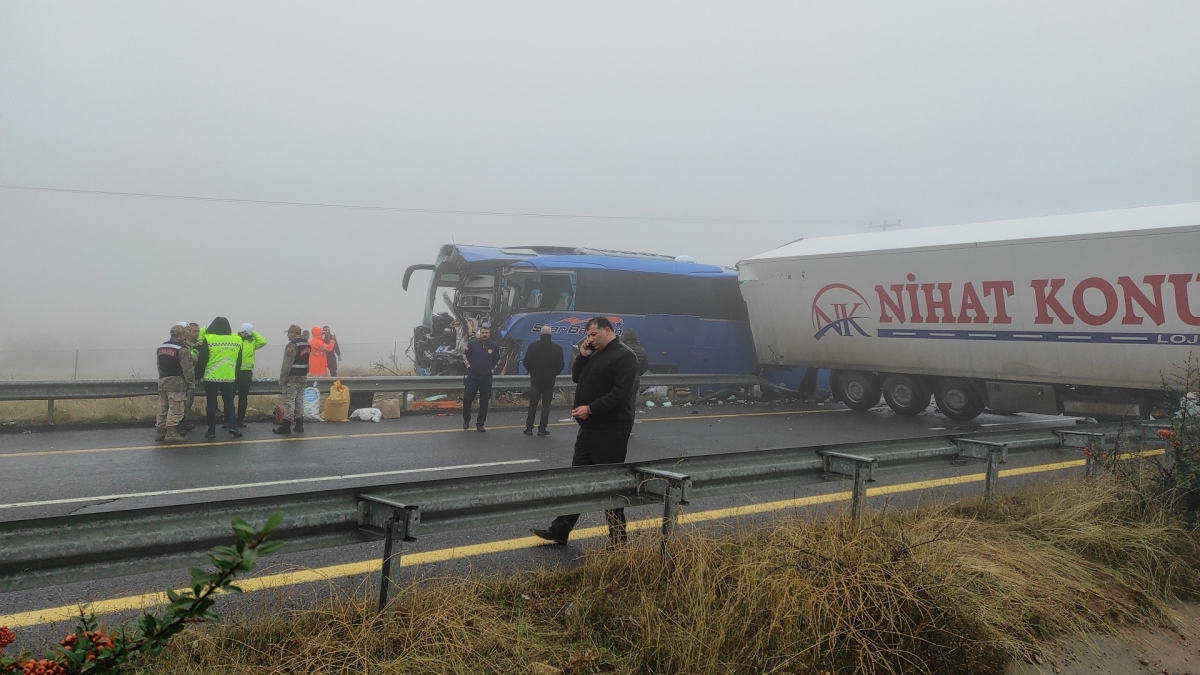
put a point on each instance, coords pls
(883, 226)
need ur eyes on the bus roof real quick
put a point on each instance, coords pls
(1072, 226)
(564, 258)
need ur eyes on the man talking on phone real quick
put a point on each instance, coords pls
(604, 373)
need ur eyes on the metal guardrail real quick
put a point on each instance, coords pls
(47, 551)
(58, 390)
(87, 389)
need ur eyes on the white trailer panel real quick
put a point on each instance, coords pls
(1107, 299)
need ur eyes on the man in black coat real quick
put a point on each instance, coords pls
(480, 357)
(630, 339)
(604, 373)
(544, 361)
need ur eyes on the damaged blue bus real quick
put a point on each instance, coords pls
(690, 317)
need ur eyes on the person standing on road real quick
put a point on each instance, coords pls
(335, 350)
(480, 356)
(630, 339)
(293, 377)
(604, 373)
(544, 362)
(191, 338)
(252, 341)
(318, 364)
(219, 351)
(175, 378)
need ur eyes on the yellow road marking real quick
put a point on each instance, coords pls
(380, 434)
(304, 576)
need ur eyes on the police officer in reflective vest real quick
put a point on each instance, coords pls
(175, 377)
(293, 377)
(219, 351)
(252, 341)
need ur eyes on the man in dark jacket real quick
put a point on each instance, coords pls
(480, 356)
(544, 361)
(630, 339)
(604, 374)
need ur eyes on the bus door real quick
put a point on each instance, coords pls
(668, 340)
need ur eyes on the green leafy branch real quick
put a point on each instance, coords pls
(92, 650)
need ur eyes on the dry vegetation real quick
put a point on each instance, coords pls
(942, 589)
(93, 411)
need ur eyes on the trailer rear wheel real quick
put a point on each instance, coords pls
(906, 394)
(858, 390)
(957, 399)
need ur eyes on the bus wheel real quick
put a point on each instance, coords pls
(905, 394)
(859, 390)
(957, 399)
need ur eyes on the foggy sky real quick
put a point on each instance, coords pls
(834, 114)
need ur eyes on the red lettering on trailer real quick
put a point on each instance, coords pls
(1134, 295)
(944, 305)
(1000, 290)
(1110, 301)
(886, 303)
(1049, 301)
(971, 303)
(913, 303)
(1182, 307)
(1094, 301)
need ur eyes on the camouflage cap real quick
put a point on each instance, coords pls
(294, 329)
(178, 330)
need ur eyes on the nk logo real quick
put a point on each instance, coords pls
(839, 309)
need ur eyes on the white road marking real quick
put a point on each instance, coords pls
(294, 481)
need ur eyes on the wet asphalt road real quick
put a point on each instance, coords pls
(65, 471)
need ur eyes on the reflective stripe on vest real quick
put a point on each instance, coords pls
(223, 353)
(300, 361)
(168, 359)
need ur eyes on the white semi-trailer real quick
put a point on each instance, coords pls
(1083, 313)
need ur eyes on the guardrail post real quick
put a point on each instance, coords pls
(50, 410)
(674, 494)
(385, 571)
(671, 497)
(860, 469)
(858, 499)
(994, 460)
(1091, 443)
(397, 527)
(1153, 426)
(992, 452)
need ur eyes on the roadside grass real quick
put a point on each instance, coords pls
(128, 410)
(949, 587)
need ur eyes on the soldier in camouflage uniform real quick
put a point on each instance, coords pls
(293, 377)
(191, 337)
(175, 377)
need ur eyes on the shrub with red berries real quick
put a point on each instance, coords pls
(91, 650)
(41, 667)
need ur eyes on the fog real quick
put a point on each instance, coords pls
(765, 122)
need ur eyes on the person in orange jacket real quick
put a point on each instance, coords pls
(318, 363)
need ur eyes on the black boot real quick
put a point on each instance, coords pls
(299, 425)
(285, 428)
(550, 535)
